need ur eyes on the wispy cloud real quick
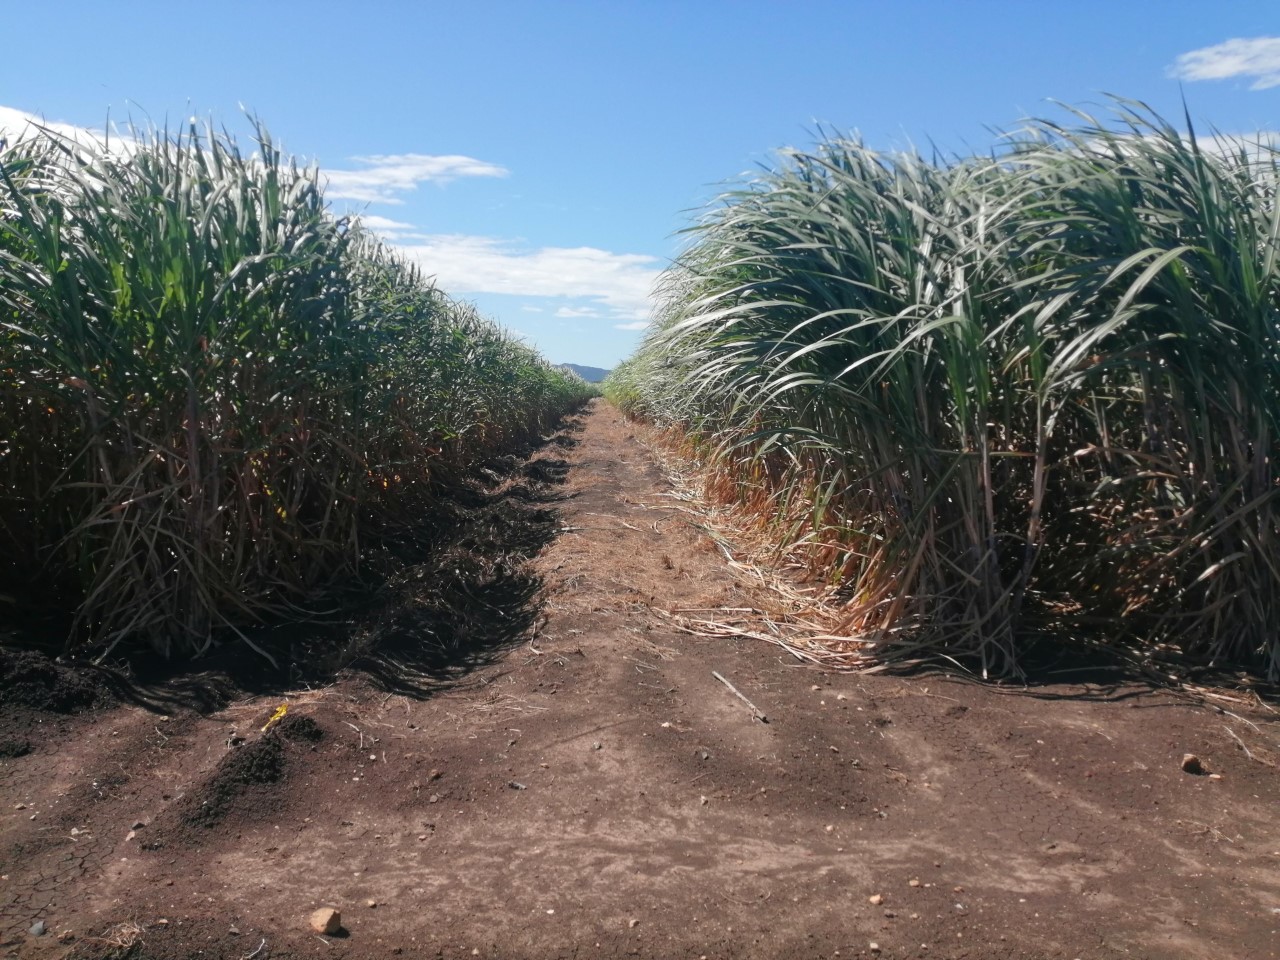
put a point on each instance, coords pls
(1254, 57)
(382, 178)
(569, 313)
(618, 283)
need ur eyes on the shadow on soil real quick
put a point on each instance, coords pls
(455, 591)
(1100, 673)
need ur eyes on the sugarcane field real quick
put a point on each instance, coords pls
(894, 573)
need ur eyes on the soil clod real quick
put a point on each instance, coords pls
(326, 920)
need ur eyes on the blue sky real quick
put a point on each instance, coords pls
(540, 157)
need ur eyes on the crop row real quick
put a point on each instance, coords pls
(1001, 403)
(212, 387)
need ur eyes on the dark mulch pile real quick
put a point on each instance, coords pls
(32, 679)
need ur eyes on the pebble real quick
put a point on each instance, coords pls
(326, 920)
(371, 904)
(875, 899)
(633, 923)
(38, 928)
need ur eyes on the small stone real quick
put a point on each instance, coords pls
(913, 883)
(841, 696)
(875, 899)
(371, 904)
(829, 828)
(233, 930)
(326, 920)
(434, 798)
(131, 835)
(815, 688)
(373, 756)
(873, 947)
(703, 800)
(19, 806)
(38, 928)
(137, 825)
(597, 745)
(1191, 764)
(633, 923)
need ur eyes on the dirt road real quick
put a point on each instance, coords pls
(586, 787)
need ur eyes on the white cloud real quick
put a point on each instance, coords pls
(618, 282)
(383, 225)
(638, 325)
(383, 177)
(1255, 57)
(528, 308)
(17, 125)
(568, 313)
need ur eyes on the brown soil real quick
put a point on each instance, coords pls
(526, 764)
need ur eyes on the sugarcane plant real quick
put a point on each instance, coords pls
(211, 383)
(998, 402)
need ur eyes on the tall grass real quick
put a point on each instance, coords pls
(210, 384)
(999, 401)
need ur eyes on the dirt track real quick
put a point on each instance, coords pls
(589, 789)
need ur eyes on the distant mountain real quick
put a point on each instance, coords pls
(589, 374)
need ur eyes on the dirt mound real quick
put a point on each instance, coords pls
(300, 729)
(32, 679)
(242, 788)
(252, 765)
